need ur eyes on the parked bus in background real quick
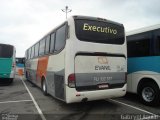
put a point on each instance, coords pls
(83, 59)
(7, 63)
(20, 65)
(144, 64)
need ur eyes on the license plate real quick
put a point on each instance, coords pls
(103, 86)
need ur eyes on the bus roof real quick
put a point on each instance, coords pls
(144, 29)
(76, 17)
(6, 44)
(96, 18)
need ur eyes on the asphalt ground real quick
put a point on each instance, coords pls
(24, 101)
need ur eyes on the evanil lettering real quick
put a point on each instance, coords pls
(97, 67)
(109, 30)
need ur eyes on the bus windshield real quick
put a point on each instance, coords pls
(99, 32)
(19, 60)
(6, 51)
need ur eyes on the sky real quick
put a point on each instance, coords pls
(24, 22)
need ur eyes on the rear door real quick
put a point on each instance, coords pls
(95, 72)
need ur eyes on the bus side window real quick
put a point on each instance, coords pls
(42, 47)
(52, 42)
(157, 41)
(138, 48)
(47, 44)
(60, 38)
(29, 53)
(157, 45)
(36, 49)
(32, 53)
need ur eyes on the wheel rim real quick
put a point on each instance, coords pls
(44, 86)
(148, 94)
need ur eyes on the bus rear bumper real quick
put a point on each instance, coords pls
(75, 96)
(5, 75)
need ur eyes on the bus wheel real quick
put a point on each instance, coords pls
(44, 87)
(149, 93)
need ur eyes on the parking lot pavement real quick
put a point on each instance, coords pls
(100, 110)
(15, 99)
(15, 102)
(13, 92)
(132, 99)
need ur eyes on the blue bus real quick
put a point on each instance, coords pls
(143, 77)
(20, 65)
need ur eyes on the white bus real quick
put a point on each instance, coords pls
(144, 64)
(83, 59)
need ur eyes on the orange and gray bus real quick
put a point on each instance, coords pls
(83, 59)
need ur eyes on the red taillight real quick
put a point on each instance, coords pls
(71, 77)
(71, 80)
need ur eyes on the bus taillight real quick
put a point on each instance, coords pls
(71, 80)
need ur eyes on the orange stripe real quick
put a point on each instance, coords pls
(42, 67)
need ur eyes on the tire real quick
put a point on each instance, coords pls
(44, 87)
(149, 94)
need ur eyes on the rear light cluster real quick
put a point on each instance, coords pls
(71, 80)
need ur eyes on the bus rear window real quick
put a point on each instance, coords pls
(6, 51)
(99, 32)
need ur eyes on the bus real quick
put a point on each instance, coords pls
(20, 65)
(7, 63)
(83, 59)
(143, 78)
